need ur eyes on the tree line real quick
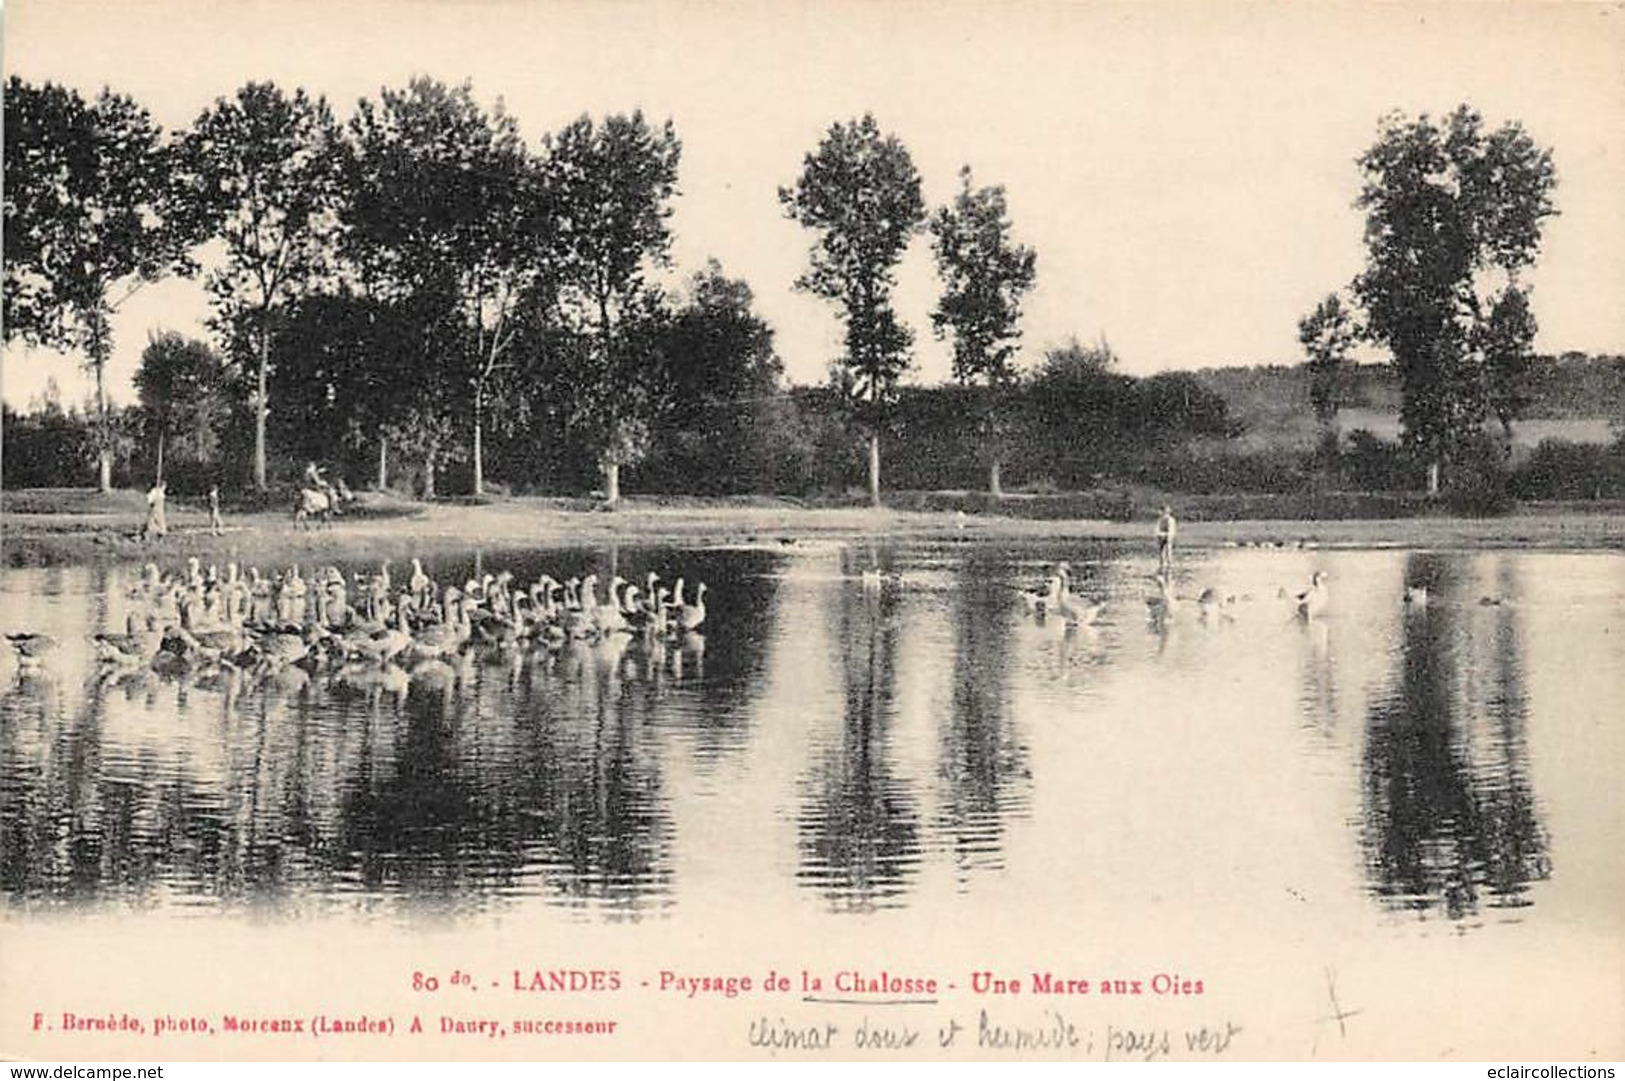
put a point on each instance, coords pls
(419, 284)
(411, 277)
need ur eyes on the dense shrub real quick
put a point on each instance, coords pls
(1069, 439)
(1559, 469)
(1216, 470)
(1377, 465)
(47, 449)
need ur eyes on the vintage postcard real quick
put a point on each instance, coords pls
(773, 530)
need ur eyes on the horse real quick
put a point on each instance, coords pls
(315, 504)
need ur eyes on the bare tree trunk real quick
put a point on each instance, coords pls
(612, 483)
(383, 463)
(104, 453)
(874, 469)
(1433, 477)
(479, 448)
(428, 476)
(160, 477)
(993, 485)
(261, 406)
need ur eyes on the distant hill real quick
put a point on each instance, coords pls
(1576, 397)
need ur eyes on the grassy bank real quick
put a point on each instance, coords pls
(44, 527)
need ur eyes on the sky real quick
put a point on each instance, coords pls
(1186, 171)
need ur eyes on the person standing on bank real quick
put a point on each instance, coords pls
(156, 526)
(1167, 528)
(215, 525)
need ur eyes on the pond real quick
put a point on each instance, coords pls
(834, 750)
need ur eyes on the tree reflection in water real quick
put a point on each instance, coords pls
(860, 843)
(982, 759)
(1449, 820)
(450, 785)
(878, 761)
(500, 783)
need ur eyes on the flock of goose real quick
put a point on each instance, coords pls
(204, 617)
(1057, 598)
(249, 620)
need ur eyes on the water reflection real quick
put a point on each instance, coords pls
(1450, 819)
(983, 760)
(860, 825)
(856, 748)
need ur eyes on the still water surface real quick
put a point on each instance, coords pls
(829, 751)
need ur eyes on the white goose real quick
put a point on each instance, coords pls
(1312, 601)
(1166, 602)
(691, 616)
(611, 616)
(1213, 603)
(1038, 601)
(419, 582)
(1070, 606)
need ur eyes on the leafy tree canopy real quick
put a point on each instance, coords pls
(1451, 207)
(984, 275)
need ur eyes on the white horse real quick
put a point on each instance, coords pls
(313, 504)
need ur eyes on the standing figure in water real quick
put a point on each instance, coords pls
(1167, 527)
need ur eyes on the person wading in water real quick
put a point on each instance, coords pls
(1167, 527)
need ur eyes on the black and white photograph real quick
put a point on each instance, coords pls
(779, 531)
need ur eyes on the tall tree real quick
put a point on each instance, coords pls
(1450, 207)
(180, 384)
(984, 276)
(265, 165)
(722, 373)
(92, 213)
(1327, 335)
(611, 185)
(859, 191)
(1507, 340)
(445, 201)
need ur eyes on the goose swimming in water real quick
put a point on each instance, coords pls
(1046, 597)
(611, 616)
(1165, 602)
(1212, 602)
(1039, 601)
(31, 648)
(1069, 605)
(447, 636)
(285, 626)
(1312, 601)
(137, 645)
(691, 616)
